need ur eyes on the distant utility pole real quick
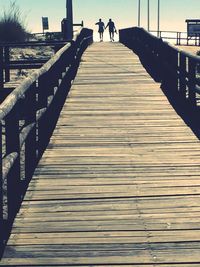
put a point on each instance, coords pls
(158, 30)
(139, 12)
(148, 15)
(69, 17)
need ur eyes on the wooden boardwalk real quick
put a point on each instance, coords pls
(120, 181)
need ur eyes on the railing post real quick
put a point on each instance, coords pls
(182, 76)
(42, 104)
(196, 38)
(1, 68)
(178, 38)
(42, 92)
(192, 82)
(31, 141)
(13, 178)
(176, 69)
(7, 62)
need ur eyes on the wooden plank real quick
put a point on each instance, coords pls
(140, 258)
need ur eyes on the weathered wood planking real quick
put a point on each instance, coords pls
(119, 182)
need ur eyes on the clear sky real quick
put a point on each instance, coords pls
(123, 12)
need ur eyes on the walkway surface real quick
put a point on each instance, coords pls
(120, 181)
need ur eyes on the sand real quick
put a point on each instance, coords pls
(191, 49)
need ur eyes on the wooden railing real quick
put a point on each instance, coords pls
(177, 37)
(177, 70)
(28, 117)
(7, 64)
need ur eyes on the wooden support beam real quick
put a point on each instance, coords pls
(69, 17)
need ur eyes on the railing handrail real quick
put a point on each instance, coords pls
(196, 58)
(7, 105)
(169, 31)
(176, 69)
(33, 43)
(187, 54)
(6, 64)
(179, 37)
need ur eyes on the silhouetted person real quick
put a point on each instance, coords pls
(112, 29)
(101, 29)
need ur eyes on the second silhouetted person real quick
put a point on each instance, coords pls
(112, 29)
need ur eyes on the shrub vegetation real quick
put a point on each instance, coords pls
(12, 25)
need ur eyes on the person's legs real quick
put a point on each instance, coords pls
(101, 36)
(110, 35)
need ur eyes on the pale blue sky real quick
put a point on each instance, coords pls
(123, 12)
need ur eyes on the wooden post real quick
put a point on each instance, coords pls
(148, 15)
(158, 29)
(69, 16)
(31, 142)
(182, 77)
(42, 91)
(176, 56)
(42, 129)
(196, 40)
(1, 68)
(177, 38)
(192, 82)
(7, 61)
(13, 178)
(179, 42)
(139, 12)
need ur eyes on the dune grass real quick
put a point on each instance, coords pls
(12, 25)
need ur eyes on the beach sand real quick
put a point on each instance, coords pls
(191, 49)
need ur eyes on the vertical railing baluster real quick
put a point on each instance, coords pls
(13, 178)
(177, 38)
(1, 68)
(42, 91)
(7, 63)
(182, 77)
(175, 57)
(42, 130)
(31, 141)
(192, 82)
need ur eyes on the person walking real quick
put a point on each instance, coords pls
(101, 29)
(112, 29)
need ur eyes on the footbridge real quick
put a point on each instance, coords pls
(100, 157)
